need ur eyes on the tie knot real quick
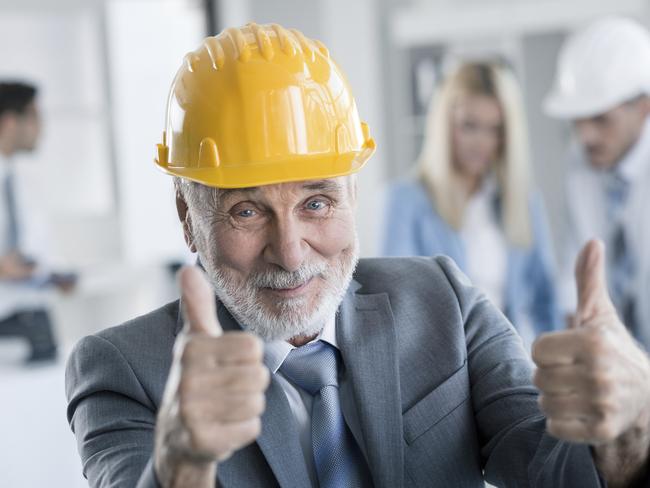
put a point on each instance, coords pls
(312, 367)
(618, 189)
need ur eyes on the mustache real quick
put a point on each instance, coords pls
(280, 278)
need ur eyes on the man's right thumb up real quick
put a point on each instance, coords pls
(198, 303)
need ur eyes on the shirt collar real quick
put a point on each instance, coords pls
(276, 352)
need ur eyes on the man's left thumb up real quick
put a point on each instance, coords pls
(593, 297)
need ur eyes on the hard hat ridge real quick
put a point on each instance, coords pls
(263, 41)
(253, 37)
(215, 52)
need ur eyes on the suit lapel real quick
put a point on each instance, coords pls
(351, 413)
(366, 336)
(279, 440)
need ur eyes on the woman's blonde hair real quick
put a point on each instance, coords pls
(436, 168)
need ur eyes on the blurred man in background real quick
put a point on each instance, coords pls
(23, 310)
(602, 86)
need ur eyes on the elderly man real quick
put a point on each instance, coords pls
(602, 86)
(311, 367)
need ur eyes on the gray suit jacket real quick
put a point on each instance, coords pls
(437, 391)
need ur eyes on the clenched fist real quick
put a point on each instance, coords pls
(214, 395)
(594, 379)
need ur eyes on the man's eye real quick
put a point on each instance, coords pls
(246, 213)
(316, 205)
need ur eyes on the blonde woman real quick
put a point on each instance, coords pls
(471, 198)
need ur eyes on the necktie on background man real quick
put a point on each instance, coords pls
(337, 458)
(12, 238)
(621, 255)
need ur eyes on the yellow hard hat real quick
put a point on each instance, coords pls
(260, 105)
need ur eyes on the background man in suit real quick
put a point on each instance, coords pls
(23, 302)
(372, 372)
(602, 86)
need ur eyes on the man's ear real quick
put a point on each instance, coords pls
(186, 221)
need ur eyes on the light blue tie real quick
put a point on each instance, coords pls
(12, 218)
(337, 458)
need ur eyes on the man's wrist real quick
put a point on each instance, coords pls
(194, 475)
(625, 461)
(175, 471)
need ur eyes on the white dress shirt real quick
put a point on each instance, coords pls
(300, 401)
(17, 296)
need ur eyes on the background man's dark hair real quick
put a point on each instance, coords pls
(15, 96)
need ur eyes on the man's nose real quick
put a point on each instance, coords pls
(287, 247)
(586, 132)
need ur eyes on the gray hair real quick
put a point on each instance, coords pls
(196, 195)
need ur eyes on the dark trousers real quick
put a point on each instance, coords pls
(36, 327)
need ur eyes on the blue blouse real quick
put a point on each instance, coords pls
(414, 228)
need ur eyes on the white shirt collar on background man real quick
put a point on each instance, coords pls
(300, 401)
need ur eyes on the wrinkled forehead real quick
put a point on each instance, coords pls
(342, 186)
(280, 190)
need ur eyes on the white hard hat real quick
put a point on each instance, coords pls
(600, 67)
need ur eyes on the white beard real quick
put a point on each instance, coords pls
(291, 318)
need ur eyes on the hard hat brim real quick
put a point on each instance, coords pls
(251, 175)
(573, 108)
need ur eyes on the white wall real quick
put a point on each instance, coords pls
(147, 40)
